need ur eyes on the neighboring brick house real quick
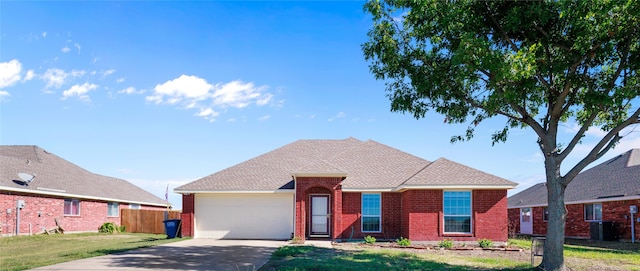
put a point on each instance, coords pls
(344, 190)
(78, 199)
(604, 193)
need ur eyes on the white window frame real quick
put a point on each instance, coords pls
(545, 213)
(593, 212)
(444, 215)
(134, 206)
(73, 202)
(110, 206)
(379, 216)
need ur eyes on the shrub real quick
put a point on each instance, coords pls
(485, 243)
(403, 242)
(123, 228)
(108, 227)
(369, 240)
(446, 243)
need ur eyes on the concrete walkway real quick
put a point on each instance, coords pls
(193, 254)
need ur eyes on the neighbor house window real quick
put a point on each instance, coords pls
(113, 209)
(457, 211)
(134, 206)
(593, 212)
(71, 207)
(545, 213)
(371, 212)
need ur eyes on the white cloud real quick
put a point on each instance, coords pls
(4, 94)
(188, 91)
(57, 77)
(65, 49)
(80, 91)
(265, 117)
(131, 90)
(239, 94)
(44, 34)
(338, 116)
(208, 113)
(95, 59)
(10, 73)
(231, 120)
(120, 80)
(108, 72)
(29, 75)
(77, 47)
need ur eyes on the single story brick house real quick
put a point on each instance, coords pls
(344, 190)
(603, 193)
(51, 188)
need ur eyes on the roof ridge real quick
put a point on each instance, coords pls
(418, 172)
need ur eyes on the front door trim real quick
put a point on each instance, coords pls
(326, 213)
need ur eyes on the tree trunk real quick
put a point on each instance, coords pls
(553, 258)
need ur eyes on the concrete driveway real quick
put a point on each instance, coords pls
(193, 254)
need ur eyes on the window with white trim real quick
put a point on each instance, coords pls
(71, 207)
(593, 212)
(113, 209)
(457, 211)
(134, 206)
(371, 218)
(545, 214)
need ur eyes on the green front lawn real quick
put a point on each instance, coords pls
(579, 255)
(26, 252)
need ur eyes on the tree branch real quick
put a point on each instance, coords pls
(578, 136)
(604, 145)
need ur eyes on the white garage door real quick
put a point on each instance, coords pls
(244, 216)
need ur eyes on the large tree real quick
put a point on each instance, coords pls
(539, 64)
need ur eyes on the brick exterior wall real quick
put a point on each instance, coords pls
(391, 204)
(577, 227)
(423, 219)
(490, 219)
(41, 211)
(421, 214)
(305, 187)
(188, 209)
(514, 220)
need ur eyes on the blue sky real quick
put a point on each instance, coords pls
(163, 93)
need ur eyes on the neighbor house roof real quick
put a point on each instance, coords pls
(366, 165)
(58, 177)
(615, 179)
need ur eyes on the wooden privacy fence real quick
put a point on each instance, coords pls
(145, 221)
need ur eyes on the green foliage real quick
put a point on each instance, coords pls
(446, 243)
(403, 242)
(485, 243)
(537, 63)
(123, 228)
(108, 227)
(369, 240)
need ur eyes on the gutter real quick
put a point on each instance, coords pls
(61, 193)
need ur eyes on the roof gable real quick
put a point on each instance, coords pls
(54, 175)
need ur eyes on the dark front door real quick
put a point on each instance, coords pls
(320, 215)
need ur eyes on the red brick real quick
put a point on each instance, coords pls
(41, 211)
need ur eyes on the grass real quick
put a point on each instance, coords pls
(26, 252)
(579, 255)
(300, 258)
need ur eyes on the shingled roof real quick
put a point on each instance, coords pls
(615, 179)
(59, 177)
(366, 165)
